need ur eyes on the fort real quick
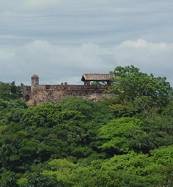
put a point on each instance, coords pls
(93, 88)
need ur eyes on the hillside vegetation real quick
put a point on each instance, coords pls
(123, 141)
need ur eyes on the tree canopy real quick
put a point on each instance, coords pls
(122, 141)
(142, 89)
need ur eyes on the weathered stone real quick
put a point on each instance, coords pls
(36, 93)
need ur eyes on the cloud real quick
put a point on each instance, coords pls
(56, 63)
(85, 21)
(41, 4)
(153, 57)
(61, 39)
(143, 44)
(25, 5)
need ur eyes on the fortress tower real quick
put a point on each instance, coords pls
(35, 80)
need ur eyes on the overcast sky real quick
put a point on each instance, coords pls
(61, 39)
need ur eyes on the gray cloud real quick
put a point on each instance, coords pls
(61, 39)
(56, 63)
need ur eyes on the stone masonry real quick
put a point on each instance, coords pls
(93, 89)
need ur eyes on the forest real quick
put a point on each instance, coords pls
(125, 140)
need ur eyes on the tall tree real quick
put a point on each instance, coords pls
(144, 90)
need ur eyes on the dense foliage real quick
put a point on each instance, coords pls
(123, 141)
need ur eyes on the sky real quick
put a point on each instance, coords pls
(62, 39)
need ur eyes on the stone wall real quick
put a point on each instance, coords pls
(44, 93)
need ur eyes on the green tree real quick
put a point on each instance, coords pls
(143, 90)
(10, 91)
(7, 179)
(124, 134)
(132, 169)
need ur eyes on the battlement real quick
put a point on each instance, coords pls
(37, 93)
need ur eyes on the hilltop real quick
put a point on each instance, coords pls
(125, 140)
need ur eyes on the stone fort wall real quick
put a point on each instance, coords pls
(54, 93)
(37, 93)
